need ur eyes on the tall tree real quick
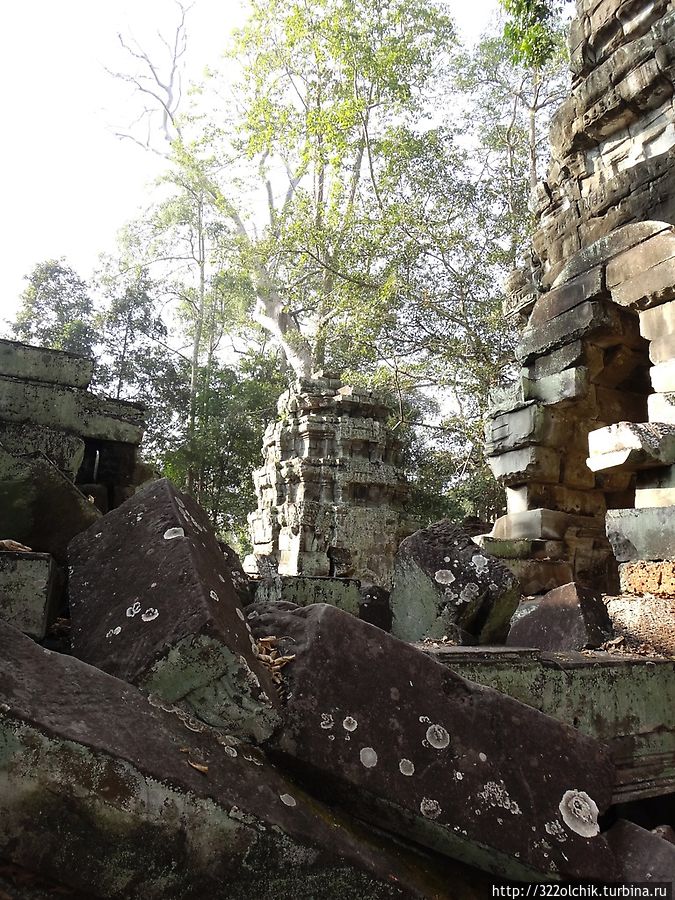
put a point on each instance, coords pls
(56, 310)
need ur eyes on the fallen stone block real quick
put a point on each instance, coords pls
(121, 795)
(40, 364)
(29, 591)
(631, 445)
(153, 602)
(445, 762)
(531, 463)
(646, 620)
(655, 487)
(66, 451)
(661, 408)
(304, 590)
(663, 377)
(644, 577)
(658, 321)
(40, 506)
(642, 533)
(566, 619)
(538, 576)
(444, 585)
(643, 857)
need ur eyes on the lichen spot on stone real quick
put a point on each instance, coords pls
(395, 694)
(368, 757)
(327, 721)
(230, 751)
(444, 576)
(446, 559)
(482, 757)
(406, 767)
(150, 615)
(430, 809)
(221, 577)
(241, 614)
(480, 563)
(114, 632)
(469, 592)
(134, 609)
(172, 533)
(580, 813)
(287, 800)
(438, 737)
(425, 719)
(350, 724)
(214, 596)
(556, 830)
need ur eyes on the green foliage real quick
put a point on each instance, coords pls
(533, 31)
(56, 310)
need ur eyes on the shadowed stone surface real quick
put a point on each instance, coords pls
(102, 787)
(445, 584)
(153, 602)
(642, 533)
(567, 618)
(375, 607)
(450, 764)
(305, 590)
(39, 506)
(28, 591)
(642, 856)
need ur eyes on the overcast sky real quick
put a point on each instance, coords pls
(68, 183)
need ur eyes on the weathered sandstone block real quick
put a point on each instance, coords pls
(566, 619)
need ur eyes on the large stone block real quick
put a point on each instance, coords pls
(565, 388)
(531, 424)
(120, 795)
(644, 577)
(645, 620)
(568, 618)
(632, 445)
(40, 506)
(65, 450)
(642, 533)
(655, 487)
(657, 322)
(661, 408)
(521, 548)
(445, 585)
(556, 496)
(445, 762)
(302, 590)
(538, 576)
(29, 591)
(534, 524)
(649, 288)
(528, 464)
(40, 364)
(154, 603)
(588, 286)
(661, 349)
(663, 377)
(643, 857)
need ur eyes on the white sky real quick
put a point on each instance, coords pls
(68, 184)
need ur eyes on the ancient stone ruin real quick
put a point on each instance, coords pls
(332, 491)
(584, 441)
(423, 715)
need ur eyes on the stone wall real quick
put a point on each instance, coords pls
(603, 273)
(331, 491)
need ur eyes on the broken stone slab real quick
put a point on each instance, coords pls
(607, 325)
(444, 585)
(29, 591)
(638, 260)
(643, 857)
(538, 576)
(655, 487)
(589, 286)
(645, 577)
(658, 321)
(568, 618)
(304, 590)
(40, 506)
(71, 409)
(154, 602)
(631, 445)
(521, 548)
(432, 765)
(661, 407)
(649, 288)
(533, 463)
(647, 619)
(151, 804)
(642, 533)
(663, 377)
(65, 450)
(40, 364)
